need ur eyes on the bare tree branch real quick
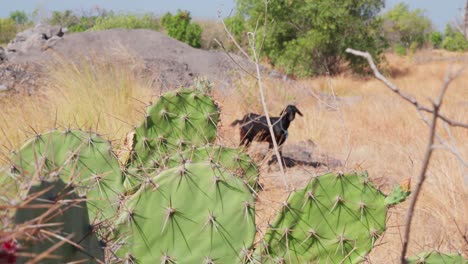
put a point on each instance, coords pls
(405, 96)
(253, 45)
(232, 37)
(235, 62)
(421, 178)
(430, 146)
(255, 59)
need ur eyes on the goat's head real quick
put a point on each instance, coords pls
(290, 112)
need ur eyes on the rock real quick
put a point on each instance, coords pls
(33, 40)
(3, 56)
(3, 88)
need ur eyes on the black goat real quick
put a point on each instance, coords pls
(255, 127)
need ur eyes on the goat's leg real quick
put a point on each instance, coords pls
(271, 148)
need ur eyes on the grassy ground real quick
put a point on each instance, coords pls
(367, 127)
(371, 128)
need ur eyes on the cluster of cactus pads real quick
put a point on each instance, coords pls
(176, 198)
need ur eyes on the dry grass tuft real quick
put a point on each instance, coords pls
(365, 125)
(100, 94)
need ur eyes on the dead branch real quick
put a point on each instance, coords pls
(253, 44)
(403, 95)
(255, 59)
(430, 146)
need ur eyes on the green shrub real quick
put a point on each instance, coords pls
(309, 38)
(64, 19)
(85, 23)
(402, 25)
(456, 42)
(400, 49)
(179, 26)
(415, 45)
(237, 27)
(436, 39)
(19, 17)
(7, 29)
(127, 21)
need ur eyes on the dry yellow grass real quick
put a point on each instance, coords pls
(367, 127)
(373, 129)
(102, 94)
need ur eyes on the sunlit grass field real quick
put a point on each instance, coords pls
(357, 120)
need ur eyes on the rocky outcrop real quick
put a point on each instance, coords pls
(3, 56)
(34, 40)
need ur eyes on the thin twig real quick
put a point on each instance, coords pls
(421, 179)
(262, 97)
(430, 146)
(232, 37)
(422, 175)
(235, 62)
(403, 95)
(255, 59)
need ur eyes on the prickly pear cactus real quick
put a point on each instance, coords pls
(83, 160)
(179, 120)
(193, 213)
(335, 219)
(435, 257)
(54, 225)
(226, 159)
(399, 193)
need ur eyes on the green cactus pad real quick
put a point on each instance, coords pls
(398, 195)
(178, 120)
(190, 214)
(53, 213)
(9, 186)
(435, 257)
(230, 160)
(334, 219)
(81, 159)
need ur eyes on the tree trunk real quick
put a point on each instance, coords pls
(465, 31)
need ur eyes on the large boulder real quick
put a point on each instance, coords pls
(34, 40)
(3, 56)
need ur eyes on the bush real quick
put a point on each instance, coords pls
(436, 39)
(19, 17)
(456, 42)
(402, 25)
(64, 19)
(309, 38)
(400, 49)
(237, 27)
(85, 23)
(127, 21)
(181, 28)
(7, 29)
(415, 45)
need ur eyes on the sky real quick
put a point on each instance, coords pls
(440, 12)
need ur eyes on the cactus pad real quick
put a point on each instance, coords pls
(435, 257)
(193, 213)
(335, 219)
(82, 160)
(397, 196)
(230, 160)
(178, 120)
(53, 214)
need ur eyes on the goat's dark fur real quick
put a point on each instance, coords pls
(255, 127)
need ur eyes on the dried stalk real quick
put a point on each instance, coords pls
(435, 111)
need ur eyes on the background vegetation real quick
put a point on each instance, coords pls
(302, 39)
(349, 118)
